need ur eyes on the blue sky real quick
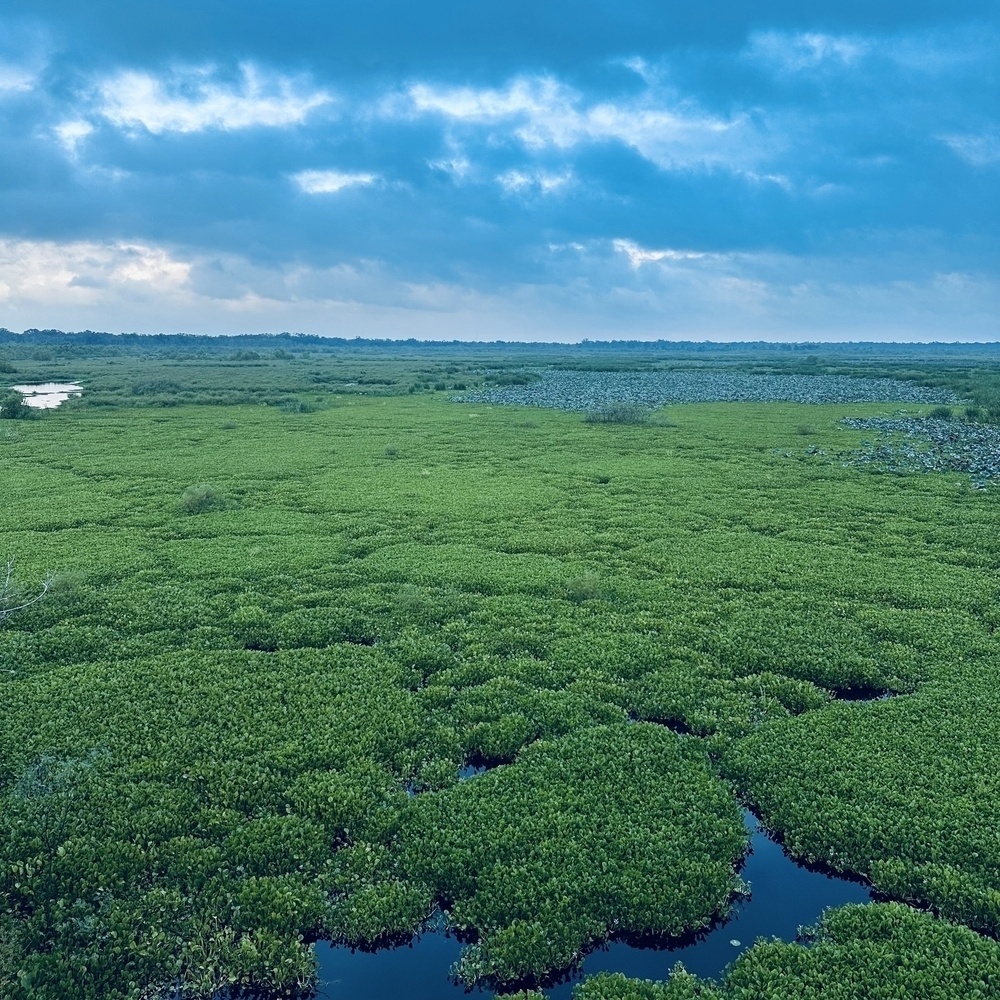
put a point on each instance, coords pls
(483, 170)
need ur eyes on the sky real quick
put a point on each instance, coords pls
(476, 170)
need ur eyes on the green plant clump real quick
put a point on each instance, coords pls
(880, 952)
(618, 413)
(201, 498)
(13, 407)
(614, 829)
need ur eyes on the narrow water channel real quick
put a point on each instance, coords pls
(785, 896)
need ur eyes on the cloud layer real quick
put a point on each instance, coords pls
(776, 178)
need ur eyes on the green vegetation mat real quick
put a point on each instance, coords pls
(275, 634)
(880, 951)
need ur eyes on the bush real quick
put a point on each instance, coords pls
(13, 407)
(200, 498)
(941, 413)
(586, 587)
(618, 413)
(293, 405)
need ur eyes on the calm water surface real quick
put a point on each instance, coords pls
(785, 896)
(48, 395)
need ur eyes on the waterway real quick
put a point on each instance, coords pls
(784, 897)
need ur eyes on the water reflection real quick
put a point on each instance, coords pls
(48, 395)
(785, 896)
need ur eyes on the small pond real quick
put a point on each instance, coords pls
(785, 896)
(48, 395)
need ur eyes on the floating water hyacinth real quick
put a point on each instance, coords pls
(924, 444)
(595, 391)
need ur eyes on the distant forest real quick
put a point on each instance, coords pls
(90, 341)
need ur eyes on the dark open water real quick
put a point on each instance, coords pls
(785, 896)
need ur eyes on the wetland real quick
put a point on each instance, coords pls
(322, 655)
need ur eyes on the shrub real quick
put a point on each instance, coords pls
(13, 407)
(155, 387)
(586, 587)
(512, 378)
(200, 498)
(941, 413)
(293, 405)
(618, 413)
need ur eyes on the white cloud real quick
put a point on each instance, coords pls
(194, 100)
(16, 79)
(960, 51)
(331, 181)
(459, 166)
(978, 150)
(541, 112)
(455, 163)
(534, 181)
(38, 273)
(583, 290)
(794, 53)
(71, 133)
(639, 255)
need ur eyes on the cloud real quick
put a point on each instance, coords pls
(960, 50)
(16, 79)
(600, 289)
(35, 274)
(712, 187)
(71, 133)
(25, 52)
(195, 100)
(977, 150)
(542, 112)
(543, 182)
(638, 255)
(331, 181)
(784, 52)
(458, 166)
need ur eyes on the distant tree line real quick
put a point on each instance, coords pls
(206, 344)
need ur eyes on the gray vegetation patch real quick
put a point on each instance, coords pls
(599, 391)
(915, 444)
